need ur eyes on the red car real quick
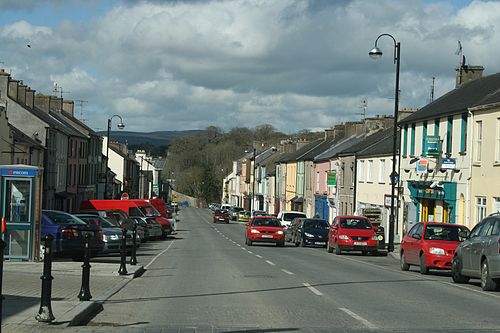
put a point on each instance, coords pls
(265, 229)
(221, 215)
(352, 233)
(430, 245)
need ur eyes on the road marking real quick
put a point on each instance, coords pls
(258, 256)
(271, 263)
(159, 254)
(314, 290)
(360, 319)
(287, 272)
(244, 249)
(238, 245)
(250, 252)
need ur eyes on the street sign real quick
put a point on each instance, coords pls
(125, 196)
(331, 178)
(448, 164)
(394, 177)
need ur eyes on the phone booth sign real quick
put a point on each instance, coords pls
(20, 205)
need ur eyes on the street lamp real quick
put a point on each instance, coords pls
(253, 181)
(120, 126)
(375, 54)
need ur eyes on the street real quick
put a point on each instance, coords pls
(207, 279)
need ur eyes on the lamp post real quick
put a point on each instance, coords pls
(375, 54)
(253, 181)
(120, 126)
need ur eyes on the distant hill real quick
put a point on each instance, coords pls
(154, 138)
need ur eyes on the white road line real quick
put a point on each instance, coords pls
(159, 254)
(271, 263)
(238, 245)
(258, 256)
(287, 272)
(250, 252)
(244, 249)
(360, 319)
(314, 290)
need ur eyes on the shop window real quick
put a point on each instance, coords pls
(480, 208)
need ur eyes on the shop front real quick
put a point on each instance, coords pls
(434, 201)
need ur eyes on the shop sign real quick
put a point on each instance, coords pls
(432, 145)
(19, 172)
(331, 178)
(422, 165)
(448, 164)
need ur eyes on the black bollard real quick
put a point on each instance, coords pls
(133, 257)
(123, 264)
(84, 294)
(45, 311)
(2, 247)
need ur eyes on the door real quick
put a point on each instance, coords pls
(479, 244)
(17, 207)
(413, 244)
(428, 210)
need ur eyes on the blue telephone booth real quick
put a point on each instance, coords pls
(20, 205)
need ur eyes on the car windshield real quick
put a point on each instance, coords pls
(355, 223)
(315, 224)
(443, 232)
(220, 211)
(149, 211)
(63, 218)
(266, 222)
(97, 220)
(291, 216)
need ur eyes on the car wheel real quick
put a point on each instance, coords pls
(337, 249)
(402, 260)
(487, 283)
(329, 249)
(456, 275)
(423, 266)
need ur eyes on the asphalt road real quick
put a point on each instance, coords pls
(207, 279)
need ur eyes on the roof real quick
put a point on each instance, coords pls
(79, 122)
(320, 148)
(483, 91)
(21, 137)
(296, 155)
(382, 147)
(367, 142)
(336, 149)
(69, 128)
(50, 120)
(159, 163)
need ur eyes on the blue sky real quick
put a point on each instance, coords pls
(294, 64)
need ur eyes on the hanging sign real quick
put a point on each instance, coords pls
(422, 165)
(432, 145)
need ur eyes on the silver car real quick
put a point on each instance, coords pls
(479, 255)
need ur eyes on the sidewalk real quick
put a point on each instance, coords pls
(22, 289)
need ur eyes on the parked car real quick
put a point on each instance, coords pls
(221, 215)
(312, 232)
(243, 216)
(430, 245)
(352, 233)
(286, 216)
(69, 234)
(233, 212)
(213, 206)
(265, 229)
(112, 233)
(478, 256)
(117, 217)
(260, 213)
(154, 230)
(291, 231)
(145, 227)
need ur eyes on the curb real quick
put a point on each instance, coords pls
(82, 313)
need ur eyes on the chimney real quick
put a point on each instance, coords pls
(42, 102)
(13, 89)
(30, 97)
(69, 107)
(466, 73)
(56, 103)
(21, 93)
(336, 132)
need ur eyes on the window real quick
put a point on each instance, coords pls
(436, 127)
(496, 205)
(449, 135)
(497, 157)
(361, 171)
(381, 171)
(424, 134)
(488, 227)
(476, 231)
(412, 140)
(463, 134)
(480, 208)
(369, 173)
(479, 140)
(405, 140)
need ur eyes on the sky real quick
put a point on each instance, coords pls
(294, 64)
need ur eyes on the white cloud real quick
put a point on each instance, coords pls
(291, 63)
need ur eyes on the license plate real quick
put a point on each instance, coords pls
(320, 243)
(267, 236)
(361, 243)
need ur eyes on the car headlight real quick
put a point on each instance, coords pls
(343, 237)
(436, 250)
(380, 237)
(105, 238)
(113, 237)
(279, 232)
(376, 237)
(308, 234)
(254, 231)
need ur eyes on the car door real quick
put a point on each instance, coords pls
(467, 245)
(413, 244)
(332, 234)
(480, 244)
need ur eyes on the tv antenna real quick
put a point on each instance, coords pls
(431, 97)
(364, 106)
(80, 102)
(59, 90)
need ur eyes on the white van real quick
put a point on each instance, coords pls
(286, 216)
(226, 207)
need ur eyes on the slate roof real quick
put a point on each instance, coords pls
(159, 163)
(53, 122)
(69, 128)
(367, 142)
(336, 149)
(296, 155)
(320, 148)
(382, 148)
(19, 135)
(80, 123)
(482, 91)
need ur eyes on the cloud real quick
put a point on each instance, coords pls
(292, 63)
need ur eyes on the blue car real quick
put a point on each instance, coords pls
(69, 232)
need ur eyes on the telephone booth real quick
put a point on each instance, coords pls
(20, 205)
